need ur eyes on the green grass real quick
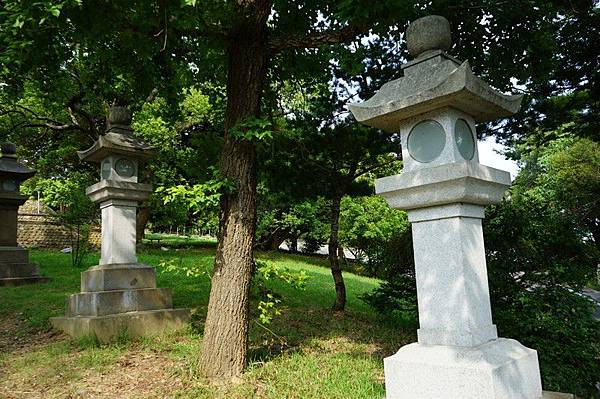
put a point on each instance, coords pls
(306, 352)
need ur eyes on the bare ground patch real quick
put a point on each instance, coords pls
(134, 374)
(16, 337)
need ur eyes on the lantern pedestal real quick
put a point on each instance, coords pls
(459, 354)
(499, 369)
(120, 298)
(119, 295)
(133, 324)
(15, 268)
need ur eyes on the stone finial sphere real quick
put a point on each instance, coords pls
(428, 33)
(8, 149)
(119, 116)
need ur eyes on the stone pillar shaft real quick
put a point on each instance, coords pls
(8, 226)
(452, 285)
(118, 232)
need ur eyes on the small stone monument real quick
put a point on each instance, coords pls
(445, 189)
(120, 293)
(15, 268)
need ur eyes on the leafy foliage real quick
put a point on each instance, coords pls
(71, 208)
(252, 129)
(281, 220)
(373, 231)
(537, 264)
(269, 302)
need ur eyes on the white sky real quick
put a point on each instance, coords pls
(490, 155)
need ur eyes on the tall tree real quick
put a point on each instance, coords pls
(333, 162)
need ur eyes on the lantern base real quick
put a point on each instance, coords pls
(133, 324)
(117, 299)
(17, 281)
(499, 369)
(15, 268)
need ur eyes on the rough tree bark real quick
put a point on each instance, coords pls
(225, 346)
(143, 217)
(334, 260)
(294, 244)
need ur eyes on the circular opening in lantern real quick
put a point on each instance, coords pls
(426, 141)
(463, 136)
(125, 167)
(10, 186)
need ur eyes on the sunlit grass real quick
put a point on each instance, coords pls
(307, 352)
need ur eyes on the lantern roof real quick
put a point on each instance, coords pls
(431, 81)
(10, 167)
(118, 140)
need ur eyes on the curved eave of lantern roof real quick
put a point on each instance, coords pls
(115, 143)
(10, 167)
(428, 87)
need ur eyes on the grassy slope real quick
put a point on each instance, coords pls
(307, 352)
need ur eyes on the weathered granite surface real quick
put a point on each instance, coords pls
(460, 182)
(15, 268)
(431, 81)
(459, 354)
(426, 34)
(499, 369)
(119, 295)
(134, 324)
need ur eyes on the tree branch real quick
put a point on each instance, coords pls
(74, 106)
(51, 126)
(377, 166)
(33, 120)
(317, 39)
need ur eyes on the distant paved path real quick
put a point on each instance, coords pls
(594, 295)
(321, 251)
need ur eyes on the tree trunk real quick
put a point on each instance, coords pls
(342, 255)
(273, 240)
(225, 343)
(595, 229)
(277, 238)
(334, 260)
(294, 244)
(143, 217)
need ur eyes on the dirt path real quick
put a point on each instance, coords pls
(135, 373)
(15, 337)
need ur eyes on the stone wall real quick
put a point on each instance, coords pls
(37, 229)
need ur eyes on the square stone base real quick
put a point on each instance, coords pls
(557, 395)
(135, 324)
(15, 268)
(16, 281)
(499, 369)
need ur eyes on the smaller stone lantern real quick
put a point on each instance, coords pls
(119, 294)
(15, 268)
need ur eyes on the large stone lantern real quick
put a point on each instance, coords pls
(445, 189)
(119, 294)
(15, 268)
